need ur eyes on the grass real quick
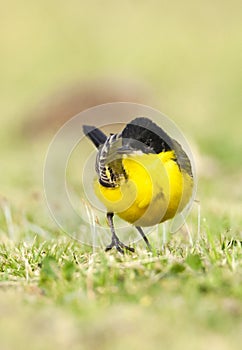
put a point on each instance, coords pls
(57, 293)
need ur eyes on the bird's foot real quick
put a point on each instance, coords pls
(144, 237)
(120, 246)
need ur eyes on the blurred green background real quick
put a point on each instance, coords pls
(183, 58)
(187, 56)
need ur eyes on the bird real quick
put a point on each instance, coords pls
(143, 175)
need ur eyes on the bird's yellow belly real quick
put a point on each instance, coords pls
(155, 190)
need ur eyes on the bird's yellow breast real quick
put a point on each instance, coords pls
(154, 191)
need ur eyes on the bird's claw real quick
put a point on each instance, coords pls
(120, 246)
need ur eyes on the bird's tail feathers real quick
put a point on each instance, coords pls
(95, 135)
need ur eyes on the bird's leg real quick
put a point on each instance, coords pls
(115, 240)
(143, 236)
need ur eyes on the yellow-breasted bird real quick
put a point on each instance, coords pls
(144, 176)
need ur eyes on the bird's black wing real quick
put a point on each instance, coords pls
(141, 134)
